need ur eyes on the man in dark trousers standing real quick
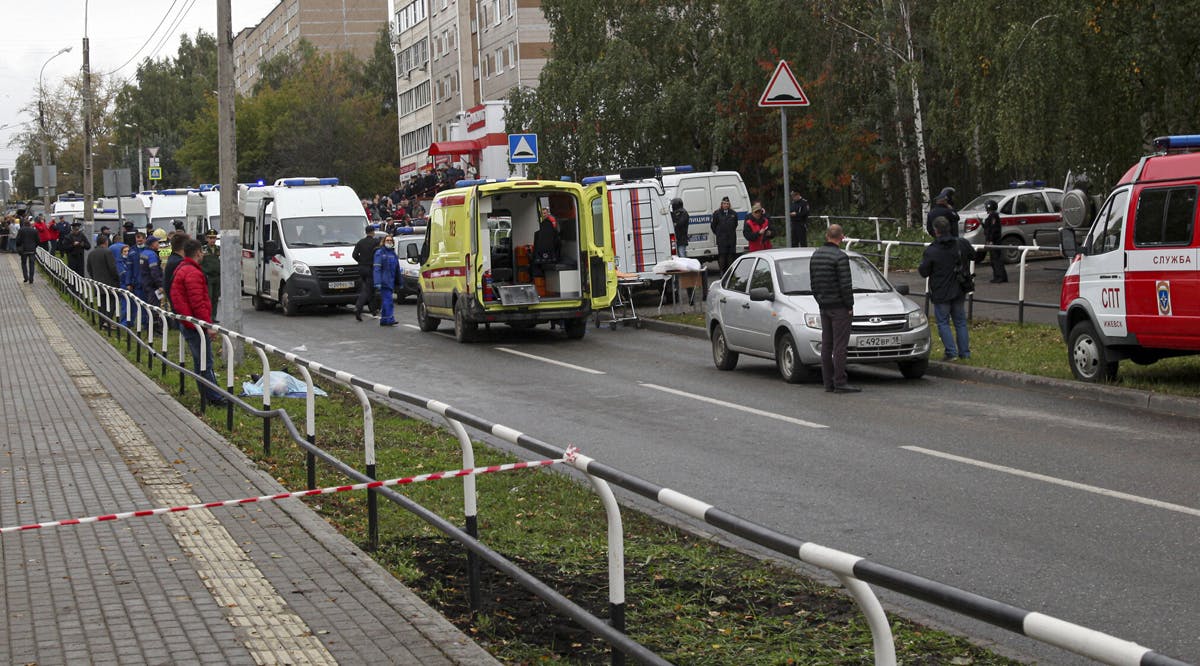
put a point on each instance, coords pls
(210, 263)
(680, 220)
(724, 227)
(189, 295)
(364, 256)
(944, 262)
(75, 245)
(27, 245)
(798, 218)
(833, 289)
(102, 267)
(993, 230)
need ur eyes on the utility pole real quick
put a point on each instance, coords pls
(45, 168)
(231, 239)
(88, 208)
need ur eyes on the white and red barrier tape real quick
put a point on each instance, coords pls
(452, 474)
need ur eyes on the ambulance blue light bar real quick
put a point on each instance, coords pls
(1178, 142)
(108, 210)
(176, 191)
(1027, 183)
(593, 179)
(479, 181)
(305, 182)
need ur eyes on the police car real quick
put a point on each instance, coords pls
(1132, 290)
(1030, 214)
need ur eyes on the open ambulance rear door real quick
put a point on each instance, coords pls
(596, 240)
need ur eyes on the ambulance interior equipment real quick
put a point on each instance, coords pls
(521, 248)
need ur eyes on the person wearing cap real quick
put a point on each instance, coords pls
(943, 206)
(128, 234)
(104, 231)
(177, 224)
(757, 229)
(150, 272)
(724, 227)
(210, 263)
(364, 256)
(189, 295)
(75, 245)
(61, 230)
(798, 219)
(992, 233)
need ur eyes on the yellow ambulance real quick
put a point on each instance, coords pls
(517, 252)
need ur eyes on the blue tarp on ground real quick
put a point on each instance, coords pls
(282, 384)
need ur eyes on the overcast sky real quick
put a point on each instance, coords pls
(119, 32)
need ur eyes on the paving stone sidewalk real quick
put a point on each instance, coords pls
(86, 433)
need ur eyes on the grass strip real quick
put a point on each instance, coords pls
(690, 600)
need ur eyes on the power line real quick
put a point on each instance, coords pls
(183, 12)
(143, 46)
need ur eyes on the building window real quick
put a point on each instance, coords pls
(411, 14)
(499, 61)
(416, 141)
(512, 55)
(496, 11)
(413, 99)
(412, 57)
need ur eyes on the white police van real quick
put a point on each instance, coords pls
(1132, 290)
(203, 210)
(166, 206)
(297, 240)
(701, 192)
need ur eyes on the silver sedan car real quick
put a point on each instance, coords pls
(763, 306)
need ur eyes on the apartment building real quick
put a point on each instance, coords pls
(456, 61)
(329, 25)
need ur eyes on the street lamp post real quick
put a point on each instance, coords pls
(45, 134)
(139, 142)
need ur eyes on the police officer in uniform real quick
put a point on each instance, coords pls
(724, 227)
(210, 265)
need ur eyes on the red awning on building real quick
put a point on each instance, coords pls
(454, 147)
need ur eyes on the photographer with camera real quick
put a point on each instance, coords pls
(757, 229)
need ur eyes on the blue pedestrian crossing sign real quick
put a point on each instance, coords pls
(522, 149)
(155, 173)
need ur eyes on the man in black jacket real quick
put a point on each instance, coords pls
(944, 261)
(102, 267)
(798, 214)
(75, 245)
(833, 289)
(680, 220)
(27, 245)
(943, 206)
(724, 227)
(364, 256)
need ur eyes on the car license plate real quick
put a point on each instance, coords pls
(879, 341)
(345, 284)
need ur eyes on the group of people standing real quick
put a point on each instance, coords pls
(756, 230)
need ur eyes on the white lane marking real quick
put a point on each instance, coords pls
(550, 361)
(741, 408)
(1158, 504)
(413, 327)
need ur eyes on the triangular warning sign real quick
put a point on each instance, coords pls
(523, 149)
(783, 90)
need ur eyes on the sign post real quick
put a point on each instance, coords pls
(783, 91)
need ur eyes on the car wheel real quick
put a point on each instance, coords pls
(575, 328)
(787, 359)
(285, 301)
(424, 321)
(722, 357)
(260, 304)
(464, 330)
(1087, 355)
(914, 369)
(1011, 254)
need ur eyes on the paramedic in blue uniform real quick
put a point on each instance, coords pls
(386, 268)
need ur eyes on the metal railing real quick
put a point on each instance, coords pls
(1022, 265)
(856, 574)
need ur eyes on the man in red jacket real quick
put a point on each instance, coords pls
(189, 297)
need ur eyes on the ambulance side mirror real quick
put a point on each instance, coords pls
(413, 252)
(271, 248)
(1066, 240)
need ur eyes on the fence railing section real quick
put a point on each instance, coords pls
(856, 574)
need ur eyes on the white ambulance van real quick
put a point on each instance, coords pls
(203, 210)
(641, 219)
(297, 239)
(128, 208)
(166, 206)
(701, 192)
(1132, 290)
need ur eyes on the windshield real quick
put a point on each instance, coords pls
(793, 276)
(980, 202)
(322, 231)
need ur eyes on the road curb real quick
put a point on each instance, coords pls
(1149, 401)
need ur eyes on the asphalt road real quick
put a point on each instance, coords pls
(868, 473)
